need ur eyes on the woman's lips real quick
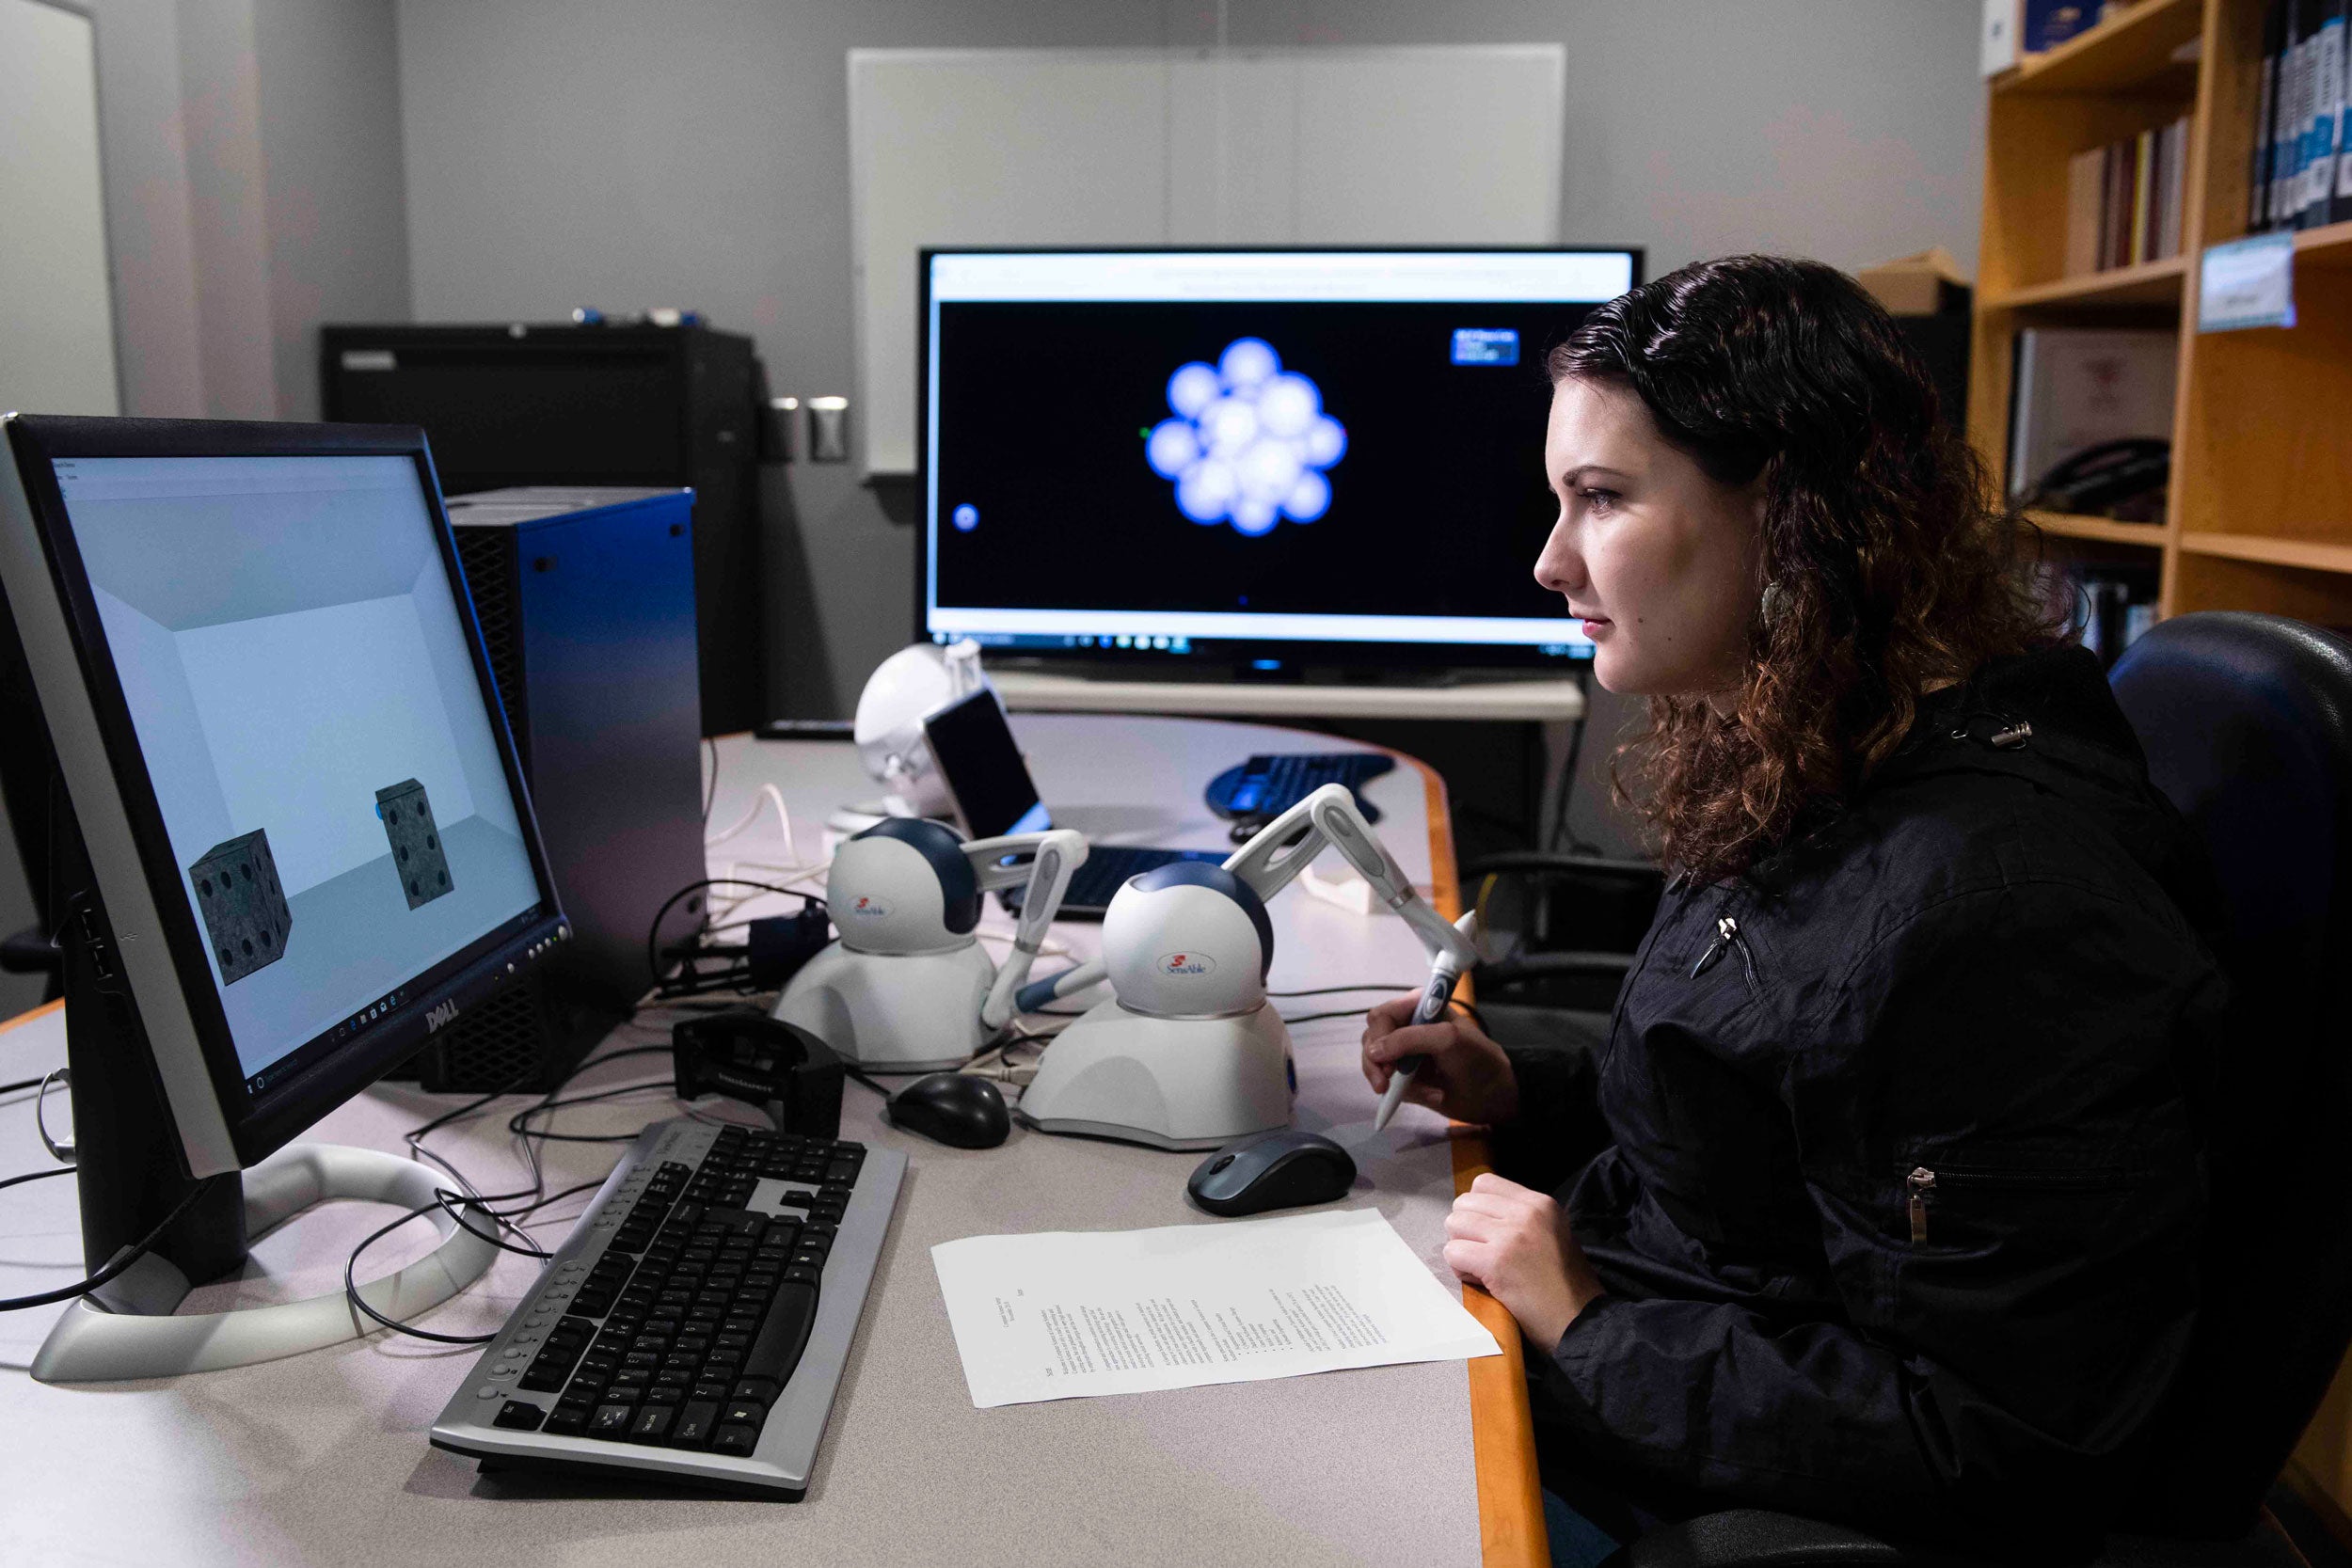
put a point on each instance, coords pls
(1596, 623)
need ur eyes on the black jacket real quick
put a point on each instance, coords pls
(1900, 1207)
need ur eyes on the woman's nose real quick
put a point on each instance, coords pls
(1558, 567)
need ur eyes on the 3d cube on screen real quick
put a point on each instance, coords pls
(416, 841)
(246, 917)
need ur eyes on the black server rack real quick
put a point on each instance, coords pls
(567, 405)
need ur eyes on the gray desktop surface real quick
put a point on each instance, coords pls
(322, 1458)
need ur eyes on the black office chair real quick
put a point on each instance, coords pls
(2247, 721)
(1561, 932)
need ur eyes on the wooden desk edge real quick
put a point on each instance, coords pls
(1503, 1430)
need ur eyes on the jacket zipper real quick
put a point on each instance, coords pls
(1727, 938)
(1921, 1186)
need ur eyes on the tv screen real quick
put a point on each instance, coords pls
(1267, 457)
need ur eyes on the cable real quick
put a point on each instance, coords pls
(351, 1287)
(21, 1085)
(710, 785)
(123, 1260)
(653, 932)
(1564, 791)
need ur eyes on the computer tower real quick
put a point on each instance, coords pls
(590, 405)
(585, 597)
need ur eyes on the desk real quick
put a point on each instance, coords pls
(1540, 702)
(322, 1458)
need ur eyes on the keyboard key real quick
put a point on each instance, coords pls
(652, 1424)
(695, 1424)
(611, 1420)
(519, 1417)
(714, 1391)
(744, 1412)
(761, 1392)
(737, 1440)
(566, 1420)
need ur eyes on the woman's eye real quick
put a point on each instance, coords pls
(1598, 500)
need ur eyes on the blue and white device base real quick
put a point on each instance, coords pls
(1170, 1083)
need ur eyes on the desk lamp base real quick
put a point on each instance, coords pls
(1170, 1083)
(126, 1329)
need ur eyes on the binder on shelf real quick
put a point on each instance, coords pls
(2324, 114)
(2079, 388)
(2266, 137)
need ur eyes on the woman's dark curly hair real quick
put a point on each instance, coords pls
(1887, 572)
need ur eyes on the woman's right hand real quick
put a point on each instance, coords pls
(1465, 1075)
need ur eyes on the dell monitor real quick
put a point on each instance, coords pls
(296, 840)
(1258, 459)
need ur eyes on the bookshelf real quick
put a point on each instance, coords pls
(2260, 511)
(2260, 515)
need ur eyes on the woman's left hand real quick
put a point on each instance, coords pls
(1514, 1242)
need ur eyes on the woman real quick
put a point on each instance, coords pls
(1885, 1198)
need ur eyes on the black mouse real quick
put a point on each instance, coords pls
(1282, 1169)
(952, 1108)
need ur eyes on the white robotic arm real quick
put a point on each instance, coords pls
(1057, 854)
(1270, 863)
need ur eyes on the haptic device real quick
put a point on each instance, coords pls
(1187, 1052)
(906, 986)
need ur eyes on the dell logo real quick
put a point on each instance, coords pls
(439, 1014)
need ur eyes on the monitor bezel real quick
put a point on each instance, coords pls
(330, 1070)
(1261, 653)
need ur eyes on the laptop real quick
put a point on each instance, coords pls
(982, 765)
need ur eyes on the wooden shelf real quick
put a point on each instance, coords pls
(2325, 249)
(2311, 555)
(2149, 283)
(2106, 530)
(2133, 52)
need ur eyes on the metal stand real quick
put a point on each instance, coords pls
(126, 1329)
(131, 1175)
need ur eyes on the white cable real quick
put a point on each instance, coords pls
(768, 793)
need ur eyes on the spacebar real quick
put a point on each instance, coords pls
(783, 1334)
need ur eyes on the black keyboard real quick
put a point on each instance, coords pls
(1267, 786)
(694, 1324)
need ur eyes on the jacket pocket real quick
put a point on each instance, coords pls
(1981, 1203)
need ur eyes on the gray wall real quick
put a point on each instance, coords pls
(251, 153)
(599, 152)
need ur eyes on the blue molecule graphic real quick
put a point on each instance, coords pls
(1249, 442)
(966, 517)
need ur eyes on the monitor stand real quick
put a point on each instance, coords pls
(128, 1170)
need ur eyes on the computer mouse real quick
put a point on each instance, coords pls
(952, 1108)
(1282, 1169)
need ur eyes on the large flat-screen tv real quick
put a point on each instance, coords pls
(1277, 459)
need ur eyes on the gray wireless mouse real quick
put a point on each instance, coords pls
(1285, 1168)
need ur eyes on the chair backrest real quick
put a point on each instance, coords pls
(2247, 721)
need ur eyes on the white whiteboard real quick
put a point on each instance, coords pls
(1407, 145)
(56, 299)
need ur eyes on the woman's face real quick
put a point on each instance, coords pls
(1660, 560)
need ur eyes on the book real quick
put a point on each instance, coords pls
(2257, 161)
(2321, 118)
(2077, 387)
(2085, 173)
(2286, 118)
(2143, 186)
(2171, 188)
